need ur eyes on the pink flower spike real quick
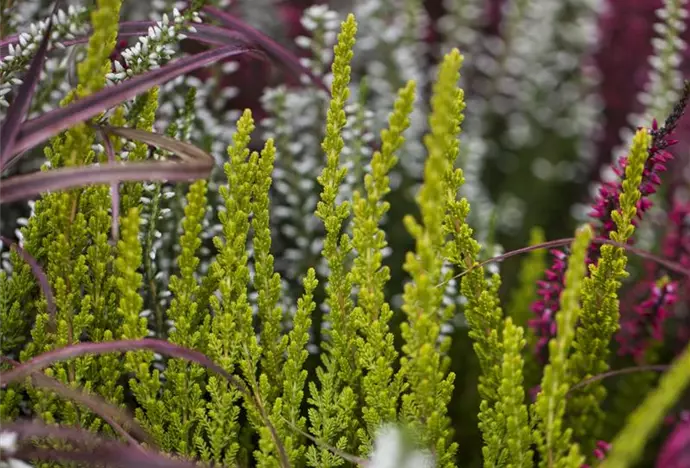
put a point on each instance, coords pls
(675, 453)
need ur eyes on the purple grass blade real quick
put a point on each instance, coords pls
(183, 150)
(205, 34)
(5, 44)
(38, 273)
(29, 185)
(114, 190)
(119, 346)
(111, 414)
(90, 448)
(210, 34)
(159, 346)
(50, 124)
(31, 429)
(272, 48)
(113, 455)
(22, 102)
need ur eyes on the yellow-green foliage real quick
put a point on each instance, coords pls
(552, 438)
(335, 401)
(600, 303)
(425, 363)
(287, 406)
(511, 405)
(177, 413)
(232, 320)
(266, 281)
(69, 236)
(92, 70)
(377, 353)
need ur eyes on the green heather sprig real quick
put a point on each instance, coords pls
(552, 437)
(231, 341)
(287, 406)
(425, 362)
(600, 304)
(177, 411)
(377, 353)
(334, 402)
(268, 287)
(266, 281)
(511, 399)
(129, 283)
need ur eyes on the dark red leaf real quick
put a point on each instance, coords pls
(22, 101)
(160, 346)
(114, 416)
(50, 124)
(272, 48)
(88, 446)
(206, 34)
(195, 164)
(114, 189)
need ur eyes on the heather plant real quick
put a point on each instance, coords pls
(194, 284)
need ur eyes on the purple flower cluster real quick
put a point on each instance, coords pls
(675, 453)
(677, 248)
(600, 451)
(549, 289)
(645, 324)
(607, 201)
(677, 243)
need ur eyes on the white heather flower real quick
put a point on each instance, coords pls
(390, 452)
(387, 448)
(8, 441)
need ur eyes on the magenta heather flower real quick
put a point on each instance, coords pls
(607, 200)
(645, 324)
(549, 292)
(677, 248)
(675, 453)
(677, 242)
(600, 451)
(549, 289)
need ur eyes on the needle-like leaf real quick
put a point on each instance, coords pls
(159, 346)
(272, 48)
(90, 448)
(195, 164)
(114, 416)
(50, 124)
(22, 101)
